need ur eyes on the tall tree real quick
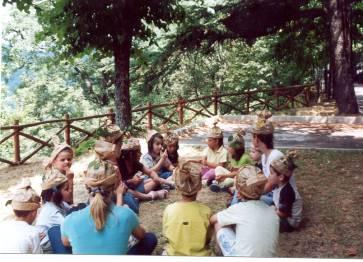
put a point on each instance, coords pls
(340, 13)
(109, 26)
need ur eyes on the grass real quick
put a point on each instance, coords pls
(331, 185)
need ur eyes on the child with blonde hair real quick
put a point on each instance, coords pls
(61, 160)
(103, 227)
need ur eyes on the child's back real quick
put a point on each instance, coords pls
(185, 225)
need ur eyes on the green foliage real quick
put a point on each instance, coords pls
(85, 147)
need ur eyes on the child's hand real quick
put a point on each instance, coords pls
(164, 155)
(69, 174)
(220, 178)
(41, 236)
(136, 180)
(121, 188)
(203, 162)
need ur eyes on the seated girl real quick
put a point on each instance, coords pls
(102, 227)
(156, 159)
(238, 158)
(55, 196)
(139, 186)
(214, 155)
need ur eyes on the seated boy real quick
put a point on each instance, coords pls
(19, 236)
(250, 227)
(286, 198)
(186, 222)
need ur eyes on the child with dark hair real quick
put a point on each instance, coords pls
(255, 155)
(139, 188)
(214, 155)
(55, 193)
(238, 158)
(157, 160)
(262, 140)
(171, 141)
(19, 236)
(287, 199)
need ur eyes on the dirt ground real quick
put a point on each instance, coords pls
(330, 182)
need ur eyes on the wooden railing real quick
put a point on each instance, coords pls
(180, 111)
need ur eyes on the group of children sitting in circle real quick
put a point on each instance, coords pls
(264, 198)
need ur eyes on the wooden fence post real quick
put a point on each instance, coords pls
(16, 142)
(215, 100)
(67, 130)
(180, 110)
(149, 116)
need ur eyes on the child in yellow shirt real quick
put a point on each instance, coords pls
(186, 222)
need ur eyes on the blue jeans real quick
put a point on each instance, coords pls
(165, 174)
(145, 246)
(235, 199)
(132, 202)
(267, 198)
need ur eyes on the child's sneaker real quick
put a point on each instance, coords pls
(215, 188)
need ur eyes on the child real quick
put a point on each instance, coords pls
(214, 155)
(102, 227)
(131, 170)
(171, 141)
(61, 160)
(55, 193)
(256, 224)
(287, 199)
(186, 222)
(262, 132)
(256, 156)
(19, 236)
(238, 158)
(157, 160)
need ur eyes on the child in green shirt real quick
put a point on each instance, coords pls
(238, 158)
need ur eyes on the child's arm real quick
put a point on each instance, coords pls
(213, 165)
(70, 177)
(139, 232)
(281, 213)
(268, 187)
(213, 219)
(119, 193)
(160, 163)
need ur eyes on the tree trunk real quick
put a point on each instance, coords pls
(122, 82)
(341, 56)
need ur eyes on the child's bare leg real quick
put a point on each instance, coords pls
(140, 195)
(150, 185)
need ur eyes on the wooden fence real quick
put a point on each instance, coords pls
(180, 112)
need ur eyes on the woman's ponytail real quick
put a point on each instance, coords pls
(99, 210)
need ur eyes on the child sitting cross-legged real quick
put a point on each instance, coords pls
(214, 155)
(19, 236)
(238, 158)
(286, 198)
(186, 222)
(103, 227)
(250, 227)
